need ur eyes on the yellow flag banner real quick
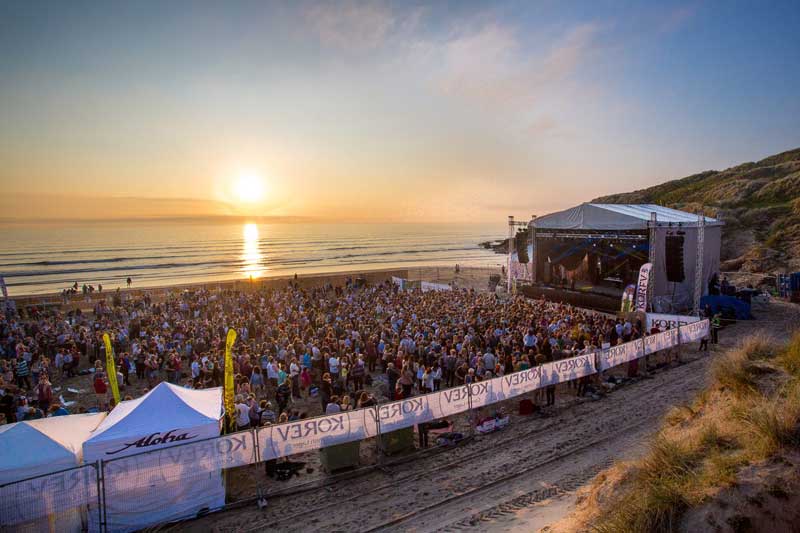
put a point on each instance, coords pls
(230, 408)
(111, 368)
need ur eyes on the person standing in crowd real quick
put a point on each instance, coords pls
(257, 380)
(372, 353)
(406, 381)
(242, 414)
(100, 390)
(716, 325)
(357, 373)
(333, 367)
(547, 355)
(436, 375)
(704, 342)
(123, 365)
(139, 358)
(44, 393)
(305, 382)
(23, 374)
(152, 364)
(294, 376)
(392, 376)
(333, 406)
(194, 370)
(325, 391)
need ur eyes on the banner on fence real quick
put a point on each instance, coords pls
(544, 375)
(408, 412)
(486, 392)
(695, 332)
(664, 321)
(620, 354)
(429, 286)
(660, 341)
(521, 382)
(570, 369)
(315, 433)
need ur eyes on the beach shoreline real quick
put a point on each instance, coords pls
(468, 277)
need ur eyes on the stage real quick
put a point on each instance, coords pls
(598, 297)
(589, 254)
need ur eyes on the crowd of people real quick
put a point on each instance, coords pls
(299, 351)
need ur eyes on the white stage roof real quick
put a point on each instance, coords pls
(590, 216)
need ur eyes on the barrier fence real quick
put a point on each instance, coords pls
(121, 494)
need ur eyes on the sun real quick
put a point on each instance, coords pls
(249, 188)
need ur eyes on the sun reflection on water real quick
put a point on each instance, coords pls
(252, 254)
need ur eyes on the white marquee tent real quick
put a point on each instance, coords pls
(35, 448)
(667, 296)
(147, 488)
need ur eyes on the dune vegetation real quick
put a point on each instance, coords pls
(729, 461)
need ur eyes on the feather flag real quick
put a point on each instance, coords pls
(111, 368)
(229, 387)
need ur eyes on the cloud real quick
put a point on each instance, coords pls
(490, 65)
(351, 24)
(63, 206)
(543, 124)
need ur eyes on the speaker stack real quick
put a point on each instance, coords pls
(794, 287)
(673, 252)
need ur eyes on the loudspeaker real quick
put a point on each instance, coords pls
(673, 250)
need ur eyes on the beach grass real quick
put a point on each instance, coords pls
(749, 414)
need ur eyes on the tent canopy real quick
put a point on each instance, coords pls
(36, 447)
(165, 407)
(616, 217)
(155, 487)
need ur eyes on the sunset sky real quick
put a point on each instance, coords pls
(407, 111)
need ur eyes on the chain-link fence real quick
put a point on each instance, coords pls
(57, 501)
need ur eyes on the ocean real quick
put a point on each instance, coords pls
(39, 258)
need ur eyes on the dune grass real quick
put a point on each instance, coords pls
(790, 358)
(750, 412)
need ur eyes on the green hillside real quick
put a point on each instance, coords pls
(759, 203)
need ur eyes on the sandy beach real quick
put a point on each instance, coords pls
(469, 277)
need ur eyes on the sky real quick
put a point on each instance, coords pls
(379, 111)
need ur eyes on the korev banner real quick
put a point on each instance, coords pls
(314, 433)
(664, 322)
(694, 332)
(641, 287)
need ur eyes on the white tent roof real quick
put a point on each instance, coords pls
(616, 217)
(35, 447)
(165, 407)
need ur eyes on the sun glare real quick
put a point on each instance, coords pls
(252, 252)
(249, 188)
